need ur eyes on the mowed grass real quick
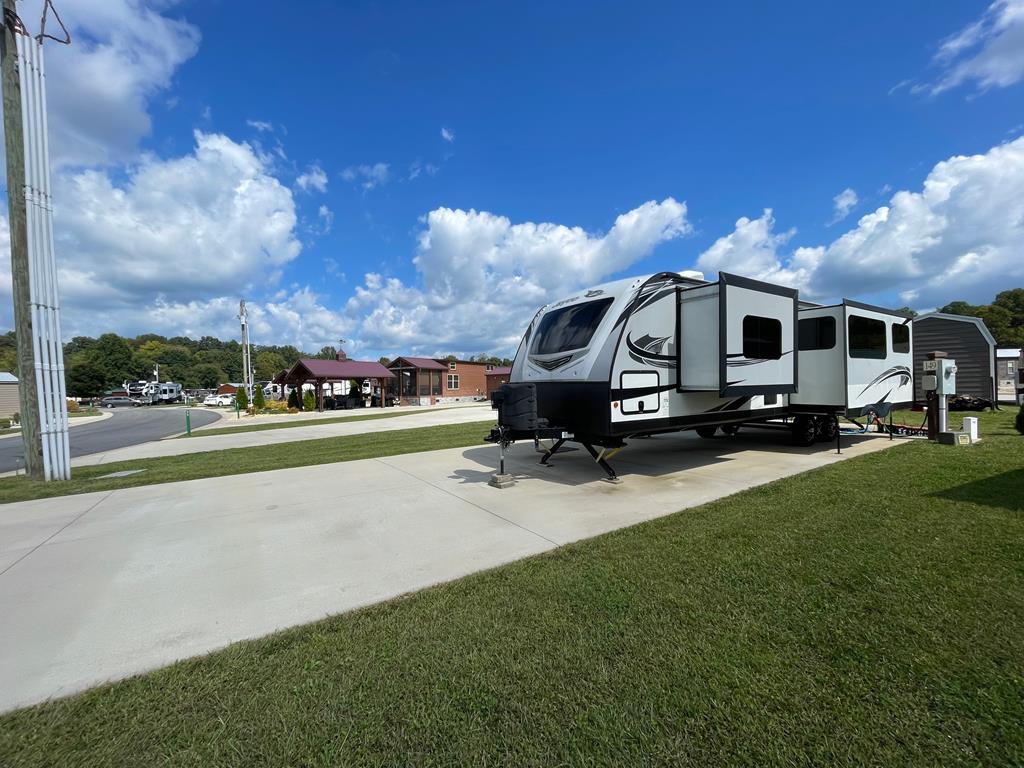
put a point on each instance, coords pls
(236, 461)
(302, 423)
(868, 613)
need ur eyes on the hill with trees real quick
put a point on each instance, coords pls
(94, 365)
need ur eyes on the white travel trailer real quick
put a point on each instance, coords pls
(856, 360)
(667, 352)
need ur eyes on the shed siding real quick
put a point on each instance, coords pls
(9, 404)
(963, 342)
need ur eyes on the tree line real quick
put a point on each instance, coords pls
(94, 366)
(1004, 317)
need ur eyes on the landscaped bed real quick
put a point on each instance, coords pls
(869, 612)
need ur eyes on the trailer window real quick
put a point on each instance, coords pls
(762, 338)
(570, 327)
(900, 337)
(817, 333)
(867, 337)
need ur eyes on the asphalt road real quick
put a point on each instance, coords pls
(127, 426)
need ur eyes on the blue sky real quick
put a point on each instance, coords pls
(420, 169)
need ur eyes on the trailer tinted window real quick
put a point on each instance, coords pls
(762, 338)
(570, 327)
(817, 333)
(867, 337)
(900, 337)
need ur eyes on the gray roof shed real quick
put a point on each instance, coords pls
(965, 339)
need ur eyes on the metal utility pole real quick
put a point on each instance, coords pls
(14, 145)
(246, 354)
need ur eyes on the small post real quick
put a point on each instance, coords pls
(501, 479)
(890, 424)
(839, 434)
(188, 421)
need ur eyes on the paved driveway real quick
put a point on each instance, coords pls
(100, 586)
(126, 426)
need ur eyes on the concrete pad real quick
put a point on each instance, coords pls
(104, 585)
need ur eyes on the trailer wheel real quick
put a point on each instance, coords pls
(828, 428)
(730, 429)
(707, 432)
(804, 431)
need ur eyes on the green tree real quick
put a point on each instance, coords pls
(242, 399)
(908, 311)
(309, 401)
(960, 308)
(206, 375)
(113, 355)
(327, 353)
(268, 364)
(259, 402)
(85, 378)
(293, 399)
(384, 361)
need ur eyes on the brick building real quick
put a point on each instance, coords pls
(425, 380)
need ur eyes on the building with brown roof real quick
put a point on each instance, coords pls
(427, 381)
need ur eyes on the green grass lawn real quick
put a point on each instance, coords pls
(236, 461)
(301, 423)
(868, 613)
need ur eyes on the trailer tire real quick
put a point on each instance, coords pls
(828, 428)
(804, 431)
(707, 432)
(730, 430)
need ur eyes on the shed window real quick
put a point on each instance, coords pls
(900, 337)
(570, 327)
(1009, 367)
(817, 333)
(453, 381)
(867, 337)
(451, 365)
(762, 338)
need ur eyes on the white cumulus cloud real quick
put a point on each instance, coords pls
(842, 204)
(480, 277)
(448, 134)
(313, 179)
(368, 176)
(988, 52)
(960, 236)
(124, 53)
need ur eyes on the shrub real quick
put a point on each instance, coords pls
(259, 402)
(293, 410)
(1020, 420)
(275, 406)
(5, 423)
(309, 401)
(16, 417)
(73, 406)
(293, 400)
(242, 399)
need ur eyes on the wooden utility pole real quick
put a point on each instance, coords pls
(14, 144)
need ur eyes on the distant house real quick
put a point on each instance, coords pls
(9, 394)
(497, 376)
(228, 389)
(418, 380)
(428, 380)
(1009, 362)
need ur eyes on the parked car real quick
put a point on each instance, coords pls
(219, 400)
(118, 401)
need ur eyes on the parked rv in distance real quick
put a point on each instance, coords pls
(670, 352)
